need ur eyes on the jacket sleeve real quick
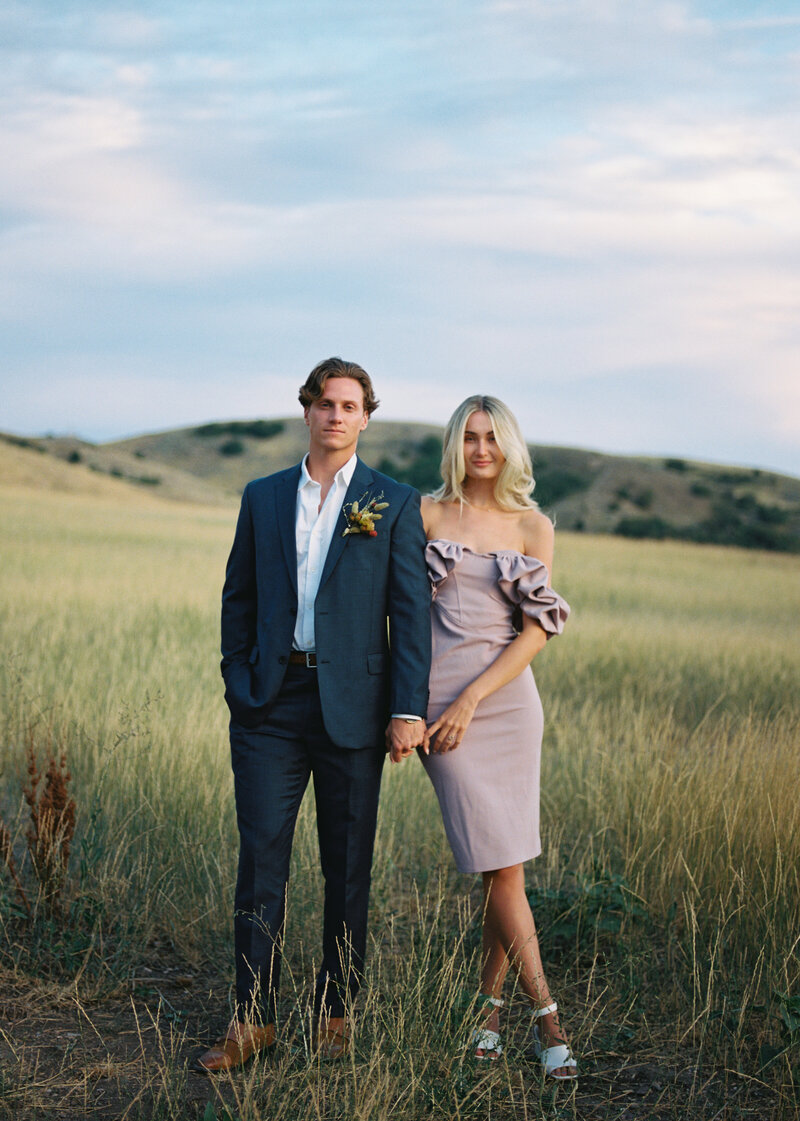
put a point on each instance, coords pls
(409, 611)
(239, 594)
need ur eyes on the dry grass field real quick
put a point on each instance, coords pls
(667, 896)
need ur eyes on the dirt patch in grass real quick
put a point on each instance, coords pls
(62, 1056)
(129, 1055)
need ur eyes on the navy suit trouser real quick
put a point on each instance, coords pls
(272, 764)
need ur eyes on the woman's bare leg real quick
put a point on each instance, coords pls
(509, 937)
(493, 974)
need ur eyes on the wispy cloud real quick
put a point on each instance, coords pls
(759, 23)
(591, 193)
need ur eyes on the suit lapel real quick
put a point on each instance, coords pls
(359, 484)
(286, 514)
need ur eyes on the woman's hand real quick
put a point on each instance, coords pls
(449, 729)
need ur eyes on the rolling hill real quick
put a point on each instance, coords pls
(583, 490)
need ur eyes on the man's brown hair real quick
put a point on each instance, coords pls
(314, 385)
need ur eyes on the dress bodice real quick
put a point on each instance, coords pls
(490, 590)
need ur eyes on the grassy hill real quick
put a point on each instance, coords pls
(65, 463)
(585, 491)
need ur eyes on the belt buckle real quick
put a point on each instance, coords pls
(311, 659)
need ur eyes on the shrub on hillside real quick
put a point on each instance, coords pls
(652, 526)
(746, 524)
(22, 442)
(555, 483)
(423, 470)
(772, 515)
(734, 523)
(256, 429)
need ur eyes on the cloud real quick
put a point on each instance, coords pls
(590, 193)
(761, 23)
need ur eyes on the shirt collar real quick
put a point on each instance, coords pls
(343, 475)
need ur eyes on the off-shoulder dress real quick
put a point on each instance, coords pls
(488, 787)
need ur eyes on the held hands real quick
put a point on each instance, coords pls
(449, 729)
(403, 738)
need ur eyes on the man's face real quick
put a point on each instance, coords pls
(336, 420)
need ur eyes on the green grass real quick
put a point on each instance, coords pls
(667, 895)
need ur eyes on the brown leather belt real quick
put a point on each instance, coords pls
(303, 658)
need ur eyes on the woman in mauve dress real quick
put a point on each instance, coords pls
(490, 559)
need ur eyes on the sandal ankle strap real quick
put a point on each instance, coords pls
(537, 1012)
(495, 1001)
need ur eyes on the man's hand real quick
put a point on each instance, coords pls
(402, 737)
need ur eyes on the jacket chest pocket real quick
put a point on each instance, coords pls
(368, 553)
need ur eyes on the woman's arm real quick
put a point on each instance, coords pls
(516, 657)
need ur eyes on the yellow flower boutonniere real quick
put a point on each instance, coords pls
(362, 515)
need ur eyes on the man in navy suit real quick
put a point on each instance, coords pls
(325, 638)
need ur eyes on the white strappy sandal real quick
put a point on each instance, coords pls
(485, 1039)
(555, 1057)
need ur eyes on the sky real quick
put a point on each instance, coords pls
(589, 208)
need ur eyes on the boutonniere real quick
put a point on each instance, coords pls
(362, 515)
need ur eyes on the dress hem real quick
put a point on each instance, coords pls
(505, 863)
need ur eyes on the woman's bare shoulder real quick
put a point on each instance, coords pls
(431, 513)
(538, 534)
(534, 521)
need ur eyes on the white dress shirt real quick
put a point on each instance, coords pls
(314, 530)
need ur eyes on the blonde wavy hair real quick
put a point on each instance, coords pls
(514, 485)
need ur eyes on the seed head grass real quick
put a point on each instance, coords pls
(666, 896)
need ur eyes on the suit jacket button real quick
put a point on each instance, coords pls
(283, 659)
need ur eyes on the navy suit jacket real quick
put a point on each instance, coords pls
(371, 615)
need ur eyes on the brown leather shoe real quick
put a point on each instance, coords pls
(240, 1044)
(333, 1037)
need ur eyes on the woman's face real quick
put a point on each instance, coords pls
(482, 457)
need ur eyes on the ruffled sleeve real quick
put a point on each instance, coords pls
(525, 581)
(441, 558)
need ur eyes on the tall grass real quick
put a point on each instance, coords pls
(667, 895)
